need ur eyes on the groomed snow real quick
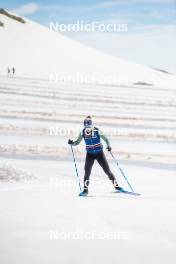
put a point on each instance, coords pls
(42, 221)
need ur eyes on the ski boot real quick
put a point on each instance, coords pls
(119, 189)
(84, 193)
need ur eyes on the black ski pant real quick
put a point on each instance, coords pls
(100, 157)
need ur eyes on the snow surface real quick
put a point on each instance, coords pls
(35, 211)
(30, 212)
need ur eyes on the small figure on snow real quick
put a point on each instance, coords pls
(8, 71)
(92, 137)
(13, 71)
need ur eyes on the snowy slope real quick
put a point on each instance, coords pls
(36, 51)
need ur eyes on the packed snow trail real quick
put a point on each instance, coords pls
(39, 219)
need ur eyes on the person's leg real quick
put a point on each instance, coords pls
(88, 167)
(104, 164)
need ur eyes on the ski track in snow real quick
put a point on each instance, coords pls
(39, 105)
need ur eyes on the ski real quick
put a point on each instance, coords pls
(128, 192)
(123, 192)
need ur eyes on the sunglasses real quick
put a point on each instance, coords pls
(87, 122)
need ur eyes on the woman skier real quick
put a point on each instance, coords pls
(94, 148)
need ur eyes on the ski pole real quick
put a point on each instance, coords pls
(76, 168)
(116, 161)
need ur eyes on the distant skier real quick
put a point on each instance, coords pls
(8, 71)
(94, 148)
(13, 71)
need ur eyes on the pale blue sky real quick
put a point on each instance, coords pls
(146, 12)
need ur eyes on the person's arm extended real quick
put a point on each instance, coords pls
(77, 142)
(105, 139)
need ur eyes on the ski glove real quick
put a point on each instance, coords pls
(70, 142)
(109, 148)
